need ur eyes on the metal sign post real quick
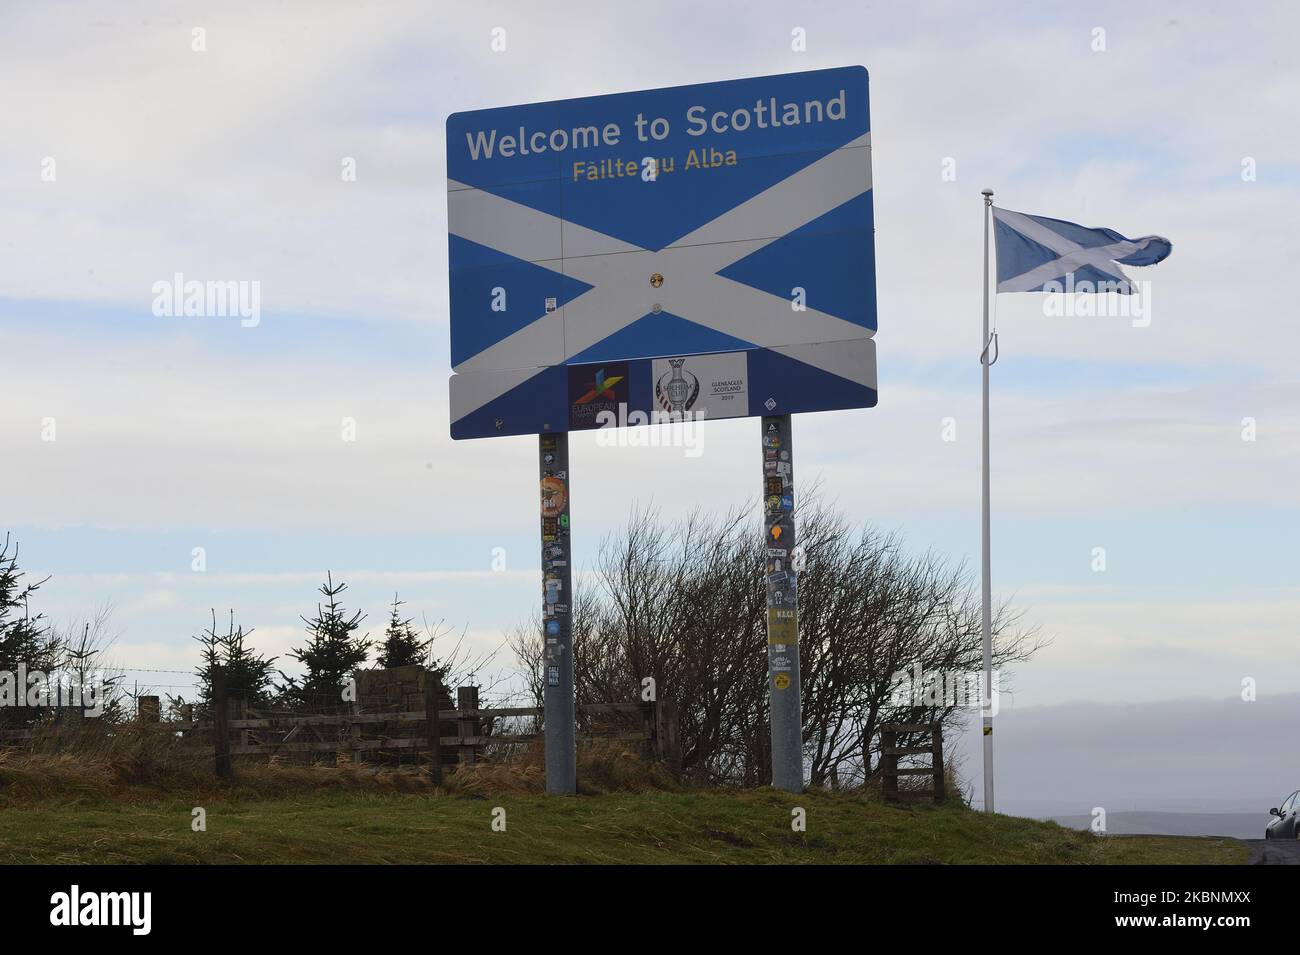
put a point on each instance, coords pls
(782, 605)
(557, 616)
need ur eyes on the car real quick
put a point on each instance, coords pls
(1286, 824)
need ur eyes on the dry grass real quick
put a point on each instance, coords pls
(129, 799)
(142, 765)
(746, 827)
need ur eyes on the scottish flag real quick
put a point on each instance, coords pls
(1038, 254)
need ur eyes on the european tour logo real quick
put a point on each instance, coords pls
(596, 389)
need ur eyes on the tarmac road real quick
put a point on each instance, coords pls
(1273, 851)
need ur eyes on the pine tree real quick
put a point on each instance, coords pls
(402, 645)
(83, 661)
(332, 654)
(248, 673)
(24, 639)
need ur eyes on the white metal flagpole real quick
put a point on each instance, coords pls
(987, 702)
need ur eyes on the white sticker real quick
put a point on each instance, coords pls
(715, 385)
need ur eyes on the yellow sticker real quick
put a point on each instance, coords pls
(782, 681)
(782, 626)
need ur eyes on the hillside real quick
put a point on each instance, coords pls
(1236, 825)
(340, 826)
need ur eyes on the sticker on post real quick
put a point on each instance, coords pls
(553, 496)
(782, 625)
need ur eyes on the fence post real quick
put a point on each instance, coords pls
(649, 714)
(350, 734)
(237, 707)
(667, 746)
(467, 699)
(889, 765)
(433, 724)
(936, 757)
(221, 723)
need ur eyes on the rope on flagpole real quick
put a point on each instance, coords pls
(991, 343)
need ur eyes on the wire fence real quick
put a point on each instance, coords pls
(122, 679)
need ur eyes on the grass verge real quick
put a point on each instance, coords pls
(335, 825)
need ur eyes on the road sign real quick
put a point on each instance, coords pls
(623, 259)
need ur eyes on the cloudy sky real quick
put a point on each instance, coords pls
(128, 156)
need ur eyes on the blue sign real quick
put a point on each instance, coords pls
(698, 251)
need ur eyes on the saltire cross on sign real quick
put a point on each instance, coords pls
(701, 249)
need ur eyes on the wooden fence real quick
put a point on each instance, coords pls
(462, 734)
(347, 733)
(890, 752)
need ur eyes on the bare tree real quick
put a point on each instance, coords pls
(85, 647)
(684, 605)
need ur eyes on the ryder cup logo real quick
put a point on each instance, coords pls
(677, 390)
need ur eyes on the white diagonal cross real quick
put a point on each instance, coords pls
(1072, 255)
(619, 272)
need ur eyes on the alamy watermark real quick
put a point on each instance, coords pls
(945, 688)
(195, 299)
(35, 688)
(130, 909)
(623, 429)
(1087, 299)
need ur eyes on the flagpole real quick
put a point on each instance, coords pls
(985, 549)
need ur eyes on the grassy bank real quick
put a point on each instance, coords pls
(331, 825)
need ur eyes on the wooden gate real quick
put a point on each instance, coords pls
(890, 751)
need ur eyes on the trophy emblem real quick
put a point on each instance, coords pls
(677, 390)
